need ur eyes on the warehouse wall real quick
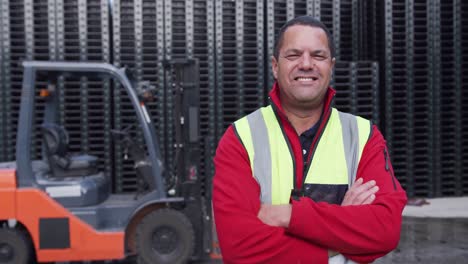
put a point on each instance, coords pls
(400, 63)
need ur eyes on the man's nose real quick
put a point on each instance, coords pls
(306, 62)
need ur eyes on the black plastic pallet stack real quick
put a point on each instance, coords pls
(190, 34)
(138, 39)
(43, 48)
(347, 21)
(357, 89)
(445, 161)
(371, 44)
(422, 104)
(239, 60)
(3, 28)
(409, 94)
(6, 67)
(39, 49)
(398, 116)
(371, 33)
(420, 46)
(83, 35)
(26, 28)
(462, 63)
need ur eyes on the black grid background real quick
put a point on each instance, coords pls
(401, 63)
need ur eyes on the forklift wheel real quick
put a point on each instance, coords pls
(165, 236)
(15, 247)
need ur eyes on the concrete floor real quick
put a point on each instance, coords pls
(434, 233)
(431, 240)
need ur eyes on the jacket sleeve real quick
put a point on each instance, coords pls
(363, 232)
(243, 238)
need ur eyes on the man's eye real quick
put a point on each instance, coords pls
(292, 56)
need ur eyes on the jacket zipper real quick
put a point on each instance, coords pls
(387, 166)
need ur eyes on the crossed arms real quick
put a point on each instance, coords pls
(363, 228)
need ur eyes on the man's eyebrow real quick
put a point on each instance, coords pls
(319, 52)
(315, 52)
(293, 51)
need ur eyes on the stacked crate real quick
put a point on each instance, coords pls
(420, 46)
(397, 130)
(409, 94)
(461, 72)
(85, 104)
(357, 90)
(422, 104)
(369, 32)
(41, 47)
(371, 44)
(4, 30)
(6, 68)
(25, 36)
(138, 39)
(445, 161)
(347, 21)
(239, 60)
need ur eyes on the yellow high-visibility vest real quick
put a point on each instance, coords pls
(333, 166)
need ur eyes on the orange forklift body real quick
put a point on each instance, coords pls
(30, 205)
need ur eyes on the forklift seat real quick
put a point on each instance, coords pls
(61, 163)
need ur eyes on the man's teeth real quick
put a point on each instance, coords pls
(306, 79)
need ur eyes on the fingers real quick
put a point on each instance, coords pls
(349, 194)
(360, 193)
(367, 196)
(362, 187)
(369, 199)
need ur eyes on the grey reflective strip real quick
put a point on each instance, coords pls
(351, 144)
(262, 156)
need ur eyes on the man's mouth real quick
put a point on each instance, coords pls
(306, 78)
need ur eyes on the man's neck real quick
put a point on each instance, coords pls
(302, 120)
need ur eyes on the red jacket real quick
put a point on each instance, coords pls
(361, 233)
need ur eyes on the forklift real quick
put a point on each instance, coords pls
(61, 208)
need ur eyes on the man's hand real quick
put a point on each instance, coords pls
(275, 215)
(280, 215)
(360, 193)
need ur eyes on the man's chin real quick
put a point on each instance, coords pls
(309, 100)
(309, 103)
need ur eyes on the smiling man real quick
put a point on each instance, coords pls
(298, 181)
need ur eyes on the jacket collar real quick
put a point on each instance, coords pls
(275, 100)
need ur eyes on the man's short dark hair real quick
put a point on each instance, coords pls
(305, 21)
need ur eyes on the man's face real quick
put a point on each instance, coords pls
(304, 66)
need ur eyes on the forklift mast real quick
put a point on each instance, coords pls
(185, 90)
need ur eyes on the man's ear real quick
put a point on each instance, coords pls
(274, 67)
(333, 62)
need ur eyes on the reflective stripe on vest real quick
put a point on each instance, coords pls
(334, 162)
